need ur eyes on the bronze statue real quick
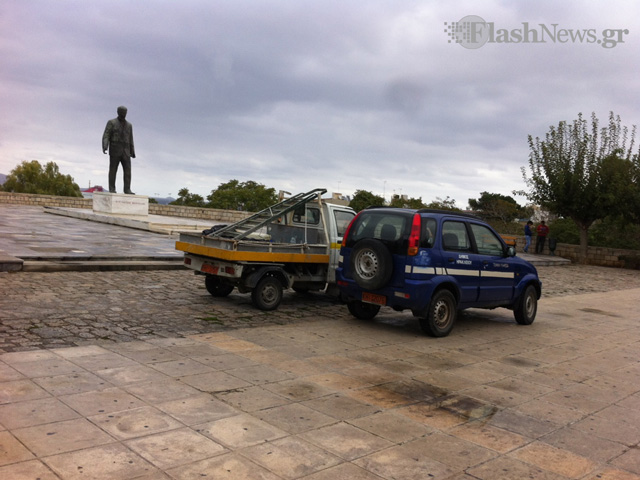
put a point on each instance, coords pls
(118, 138)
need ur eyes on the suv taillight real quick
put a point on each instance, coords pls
(414, 237)
(346, 232)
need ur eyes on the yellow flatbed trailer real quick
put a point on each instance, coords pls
(293, 244)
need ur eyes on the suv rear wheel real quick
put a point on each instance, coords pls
(362, 310)
(371, 264)
(441, 314)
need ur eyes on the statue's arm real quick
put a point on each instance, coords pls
(133, 150)
(106, 136)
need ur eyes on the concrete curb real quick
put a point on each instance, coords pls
(9, 263)
(99, 265)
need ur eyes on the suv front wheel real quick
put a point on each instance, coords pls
(527, 307)
(371, 264)
(441, 314)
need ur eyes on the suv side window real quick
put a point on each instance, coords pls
(428, 234)
(487, 242)
(455, 237)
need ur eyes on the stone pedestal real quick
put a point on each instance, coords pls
(119, 203)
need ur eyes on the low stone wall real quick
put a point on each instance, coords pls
(225, 216)
(35, 200)
(602, 256)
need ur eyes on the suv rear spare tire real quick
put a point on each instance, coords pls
(371, 264)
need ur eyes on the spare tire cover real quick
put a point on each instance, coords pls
(371, 264)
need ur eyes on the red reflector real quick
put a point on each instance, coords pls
(187, 261)
(209, 269)
(343, 283)
(229, 270)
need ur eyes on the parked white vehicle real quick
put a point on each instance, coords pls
(292, 244)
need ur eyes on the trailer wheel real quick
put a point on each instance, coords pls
(267, 294)
(216, 287)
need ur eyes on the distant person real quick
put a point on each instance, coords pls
(118, 139)
(542, 232)
(528, 233)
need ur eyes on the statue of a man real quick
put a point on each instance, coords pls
(118, 139)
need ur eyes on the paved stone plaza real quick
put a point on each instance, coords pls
(142, 374)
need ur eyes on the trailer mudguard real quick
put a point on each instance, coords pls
(254, 277)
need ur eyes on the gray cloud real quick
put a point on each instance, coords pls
(302, 94)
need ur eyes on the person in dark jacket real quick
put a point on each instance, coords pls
(528, 233)
(118, 139)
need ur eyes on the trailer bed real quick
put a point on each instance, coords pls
(252, 250)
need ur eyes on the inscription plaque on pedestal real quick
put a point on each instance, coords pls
(117, 203)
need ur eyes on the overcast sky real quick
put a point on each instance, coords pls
(298, 94)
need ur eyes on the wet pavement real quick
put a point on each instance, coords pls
(30, 233)
(32, 240)
(142, 374)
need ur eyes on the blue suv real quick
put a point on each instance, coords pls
(433, 263)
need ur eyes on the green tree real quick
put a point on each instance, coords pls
(31, 177)
(612, 232)
(363, 199)
(621, 177)
(499, 210)
(247, 196)
(400, 202)
(446, 204)
(188, 199)
(579, 170)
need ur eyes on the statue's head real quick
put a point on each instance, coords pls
(122, 112)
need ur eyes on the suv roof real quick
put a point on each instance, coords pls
(429, 210)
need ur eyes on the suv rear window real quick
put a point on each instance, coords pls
(391, 228)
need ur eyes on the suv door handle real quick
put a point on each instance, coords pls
(451, 259)
(485, 262)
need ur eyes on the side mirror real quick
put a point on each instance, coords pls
(511, 252)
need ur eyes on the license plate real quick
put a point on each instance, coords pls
(373, 298)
